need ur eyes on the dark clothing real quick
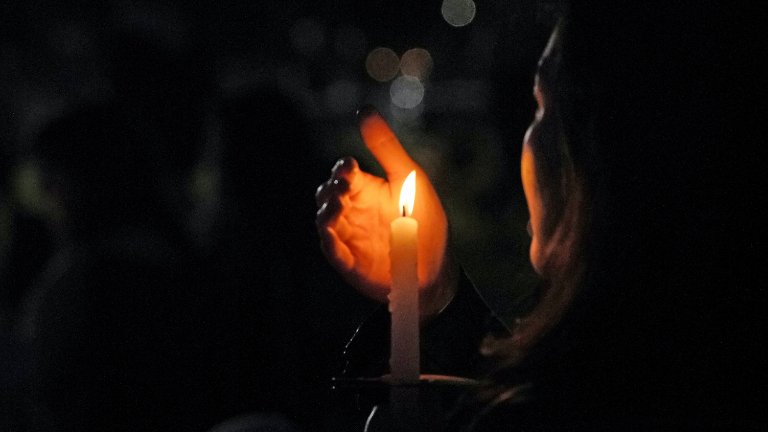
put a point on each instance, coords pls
(584, 374)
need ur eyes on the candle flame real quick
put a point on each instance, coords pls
(407, 194)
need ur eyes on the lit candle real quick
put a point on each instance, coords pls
(404, 293)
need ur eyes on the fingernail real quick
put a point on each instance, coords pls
(341, 185)
(345, 165)
(366, 111)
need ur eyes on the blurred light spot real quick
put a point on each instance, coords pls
(406, 116)
(308, 37)
(350, 43)
(382, 64)
(458, 13)
(342, 96)
(406, 92)
(31, 194)
(416, 62)
(28, 184)
(204, 184)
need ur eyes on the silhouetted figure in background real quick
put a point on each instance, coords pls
(167, 88)
(252, 240)
(114, 321)
(130, 328)
(282, 295)
(26, 243)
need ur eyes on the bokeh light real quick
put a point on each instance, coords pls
(382, 64)
(407, 116)
(416, 62)
(458, 13)
(406, 92)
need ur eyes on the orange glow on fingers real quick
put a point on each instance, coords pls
(385, 146)
(337, 252)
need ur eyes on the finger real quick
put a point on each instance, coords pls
(384, 145)
(344, 166)
(329, 212)
(334, 186)
(345, 173)
(342, 227)
(348, 169)
(330, 216)
(322, 194)
(336, 252)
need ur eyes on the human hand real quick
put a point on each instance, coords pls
(355, 212)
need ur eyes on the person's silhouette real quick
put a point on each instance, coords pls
(623, 185)
(118, 322)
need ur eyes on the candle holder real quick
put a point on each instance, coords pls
(386, 381)
(405, 407)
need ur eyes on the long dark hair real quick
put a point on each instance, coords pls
(643, 111)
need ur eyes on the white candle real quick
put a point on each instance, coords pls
(404, 359)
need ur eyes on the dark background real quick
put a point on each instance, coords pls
(280, 82)
(191, 69)
(466, 132)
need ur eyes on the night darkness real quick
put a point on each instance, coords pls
(157, 215)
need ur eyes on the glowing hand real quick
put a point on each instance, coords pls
(355, 212)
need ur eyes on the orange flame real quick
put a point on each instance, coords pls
(408, 194)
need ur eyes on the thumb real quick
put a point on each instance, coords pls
(384, 145)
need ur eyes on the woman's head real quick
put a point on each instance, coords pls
(620, 219)
(583, 165)
(635, 171)
(553, 181)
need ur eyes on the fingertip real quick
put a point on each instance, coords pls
(328, 212)
(365, 112)
(385, 147)
(320, 194)
(354, 166)
(344, 166)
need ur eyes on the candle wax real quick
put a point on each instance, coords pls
(404, 301)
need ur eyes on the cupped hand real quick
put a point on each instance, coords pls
(357, 208)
